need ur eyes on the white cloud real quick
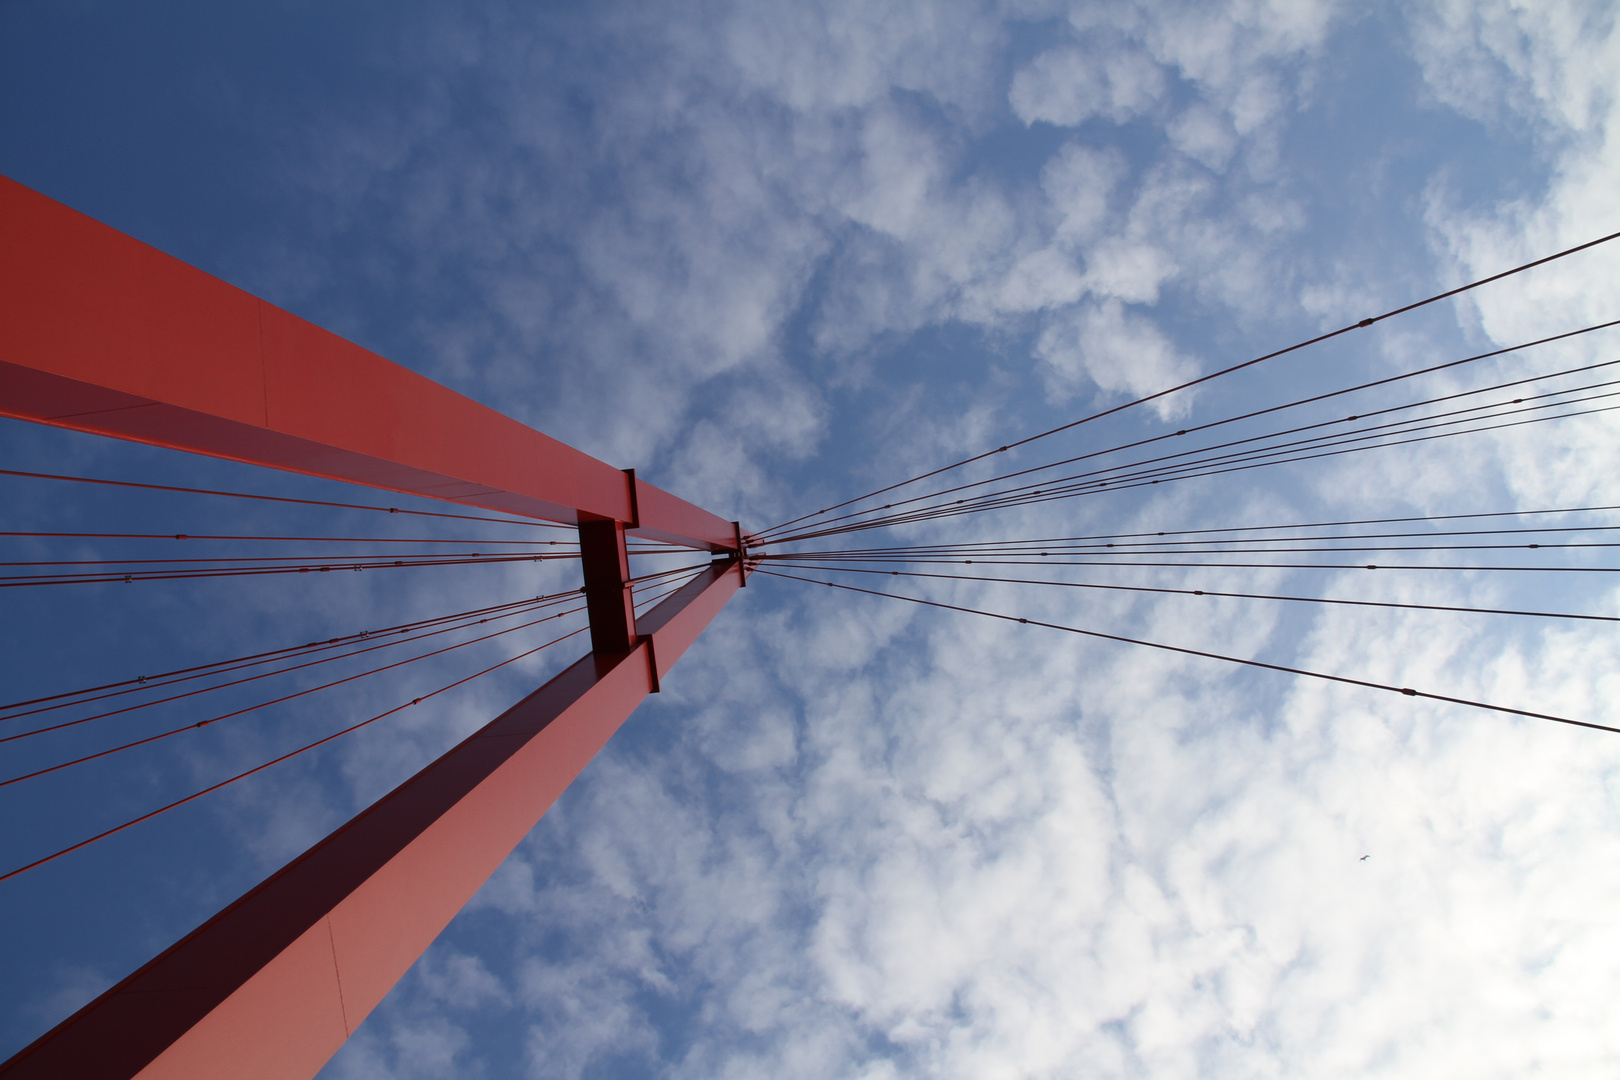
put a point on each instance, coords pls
(892, 843)
(1042, 279)
(870, 840)
(953, 851)
(1204, 135)
(1546, 71)
(1068, 86)
(460, 981)
(1118, 350)
(1515, 63)
(431, 1048)
(1080, 180)
(1027, 856)
(1128, 270)
(1245, 56)
(847, 55)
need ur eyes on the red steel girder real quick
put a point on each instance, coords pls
(606, 563)
(270, 987)
(101, 333)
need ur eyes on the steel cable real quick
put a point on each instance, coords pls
(1365, 683)
(1207, 592)
(765, 535)
(1360, 324)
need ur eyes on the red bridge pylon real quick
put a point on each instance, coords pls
(102, 333)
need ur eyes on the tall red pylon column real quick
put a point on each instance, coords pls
(104, 334)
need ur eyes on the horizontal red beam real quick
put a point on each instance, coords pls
(102, 333)
(270, 987)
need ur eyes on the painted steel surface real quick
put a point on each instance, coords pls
(102, 333)
(608, 601)
(270, 987)
(672, 629)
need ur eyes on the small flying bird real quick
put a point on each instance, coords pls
(1364, 858)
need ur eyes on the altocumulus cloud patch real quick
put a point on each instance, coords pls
(774, 257)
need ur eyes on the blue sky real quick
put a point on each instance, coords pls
(776, 256)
